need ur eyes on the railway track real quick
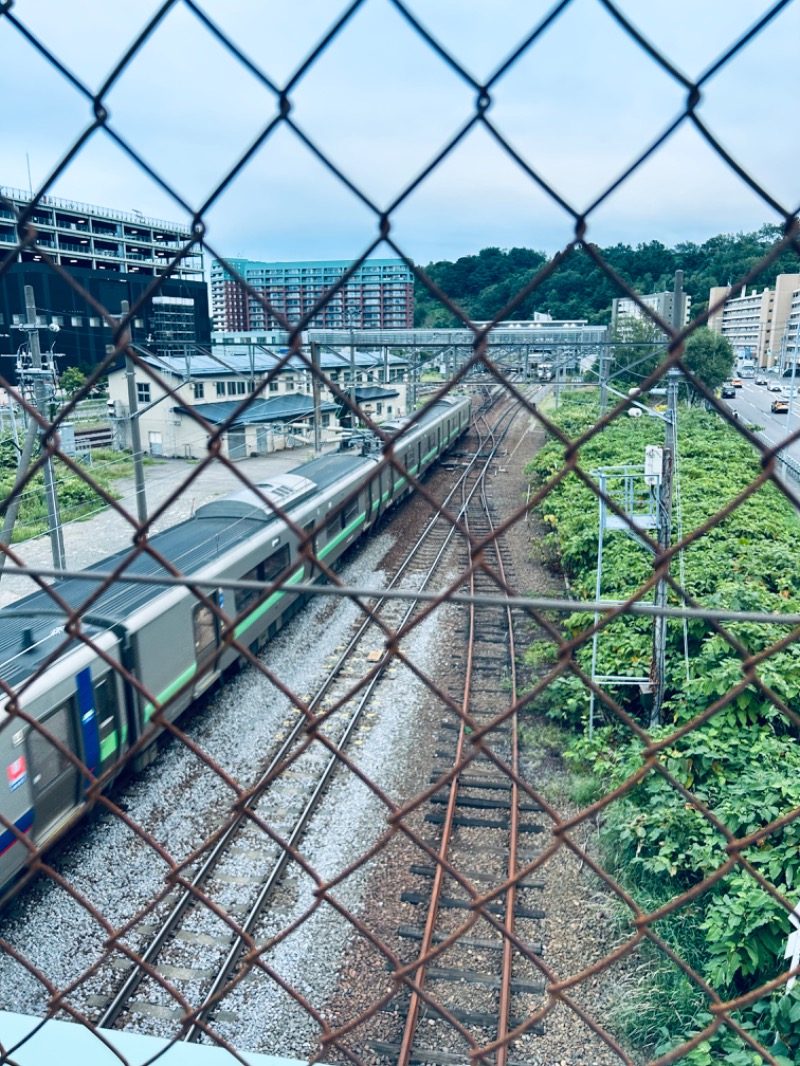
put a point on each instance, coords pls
(259, 845)
(472, 985)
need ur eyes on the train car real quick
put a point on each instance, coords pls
(73, 708)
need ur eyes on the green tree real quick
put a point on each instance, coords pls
(710, 357)
(72, 379)
(636, 350)
(481, 285)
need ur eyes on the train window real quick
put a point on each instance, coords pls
(47, 762)
(205, 629)
(349, 512)
(276, 564)
(244, 597)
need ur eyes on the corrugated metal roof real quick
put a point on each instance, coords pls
(259, 412)
(365, 393)
(246, 359)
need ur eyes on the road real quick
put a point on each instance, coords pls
(753, 402)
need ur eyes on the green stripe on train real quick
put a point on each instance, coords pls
(112, 743)
(251, 619)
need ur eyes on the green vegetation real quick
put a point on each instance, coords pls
(708, 355)
(71, 380)
(481, 285)
(742, 764)
(76, 498)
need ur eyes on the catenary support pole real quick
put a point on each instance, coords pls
(315, 394)
(40, 402)
(133, 422)
(664, 542)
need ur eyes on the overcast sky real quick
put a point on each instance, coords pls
(578, 107)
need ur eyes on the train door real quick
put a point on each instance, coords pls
(311, 570)
(54, 778)
(112, 728)
(205, 627)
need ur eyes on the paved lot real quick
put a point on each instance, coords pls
(87, 542)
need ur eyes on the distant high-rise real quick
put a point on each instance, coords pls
(378, 295)
(113, 255)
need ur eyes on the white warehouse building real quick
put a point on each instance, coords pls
(180, 401)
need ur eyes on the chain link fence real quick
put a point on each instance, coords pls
(659, 784)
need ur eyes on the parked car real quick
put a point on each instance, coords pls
(779, 407)
(728, 392)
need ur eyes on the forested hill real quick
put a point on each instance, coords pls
(482, 284)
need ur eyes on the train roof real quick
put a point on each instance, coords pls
(31, 627)
(27, 642)
(328, 469)
(429, 414)
(284, 491)
(188, 546)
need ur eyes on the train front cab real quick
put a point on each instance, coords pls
(80, 702)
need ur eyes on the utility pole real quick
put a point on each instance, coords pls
(133, 422)
(316, 398)
(677, 301)
(40, 402)
(603, 378)
(36, 374)
(25, 456)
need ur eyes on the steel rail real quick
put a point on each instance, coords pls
(504, 1009)
(188, 896)
(427, 940)
(228, 967)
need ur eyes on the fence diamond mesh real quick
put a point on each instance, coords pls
(171, 716)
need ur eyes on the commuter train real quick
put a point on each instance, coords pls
(165, 638)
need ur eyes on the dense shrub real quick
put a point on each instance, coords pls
(742, 765)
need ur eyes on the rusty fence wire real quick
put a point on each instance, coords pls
(572, 621)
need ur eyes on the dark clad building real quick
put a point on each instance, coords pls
(114, 256)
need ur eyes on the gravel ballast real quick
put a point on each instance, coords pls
(330, 966)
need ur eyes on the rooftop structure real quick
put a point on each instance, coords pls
(97, 238)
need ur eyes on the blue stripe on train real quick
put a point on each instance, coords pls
(89, 730)
(9, 837)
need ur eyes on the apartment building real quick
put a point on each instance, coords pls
(755, 322)
(624, 310)
(378, 295)
(113, 255)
